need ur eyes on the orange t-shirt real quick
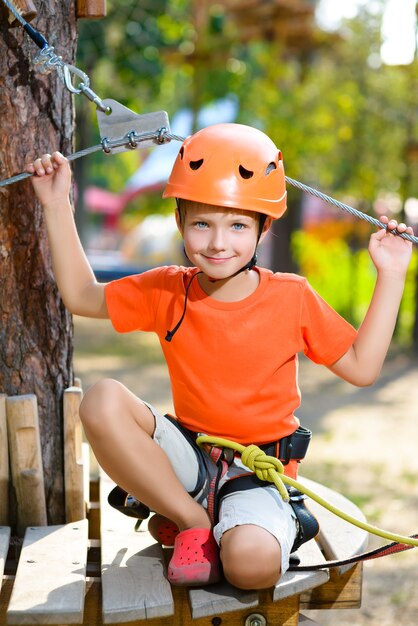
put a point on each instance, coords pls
(232, 365)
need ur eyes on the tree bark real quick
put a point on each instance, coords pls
(36, 113)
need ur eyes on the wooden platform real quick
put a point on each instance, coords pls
(96, 569)
(103, 572)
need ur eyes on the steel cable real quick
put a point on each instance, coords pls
(162, 136)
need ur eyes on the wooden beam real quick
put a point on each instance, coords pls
(75, 507)
(133, 583)
(220, 598)
(4, 464)
(27, 10)
(50, 581)
(340, 592)
(26, 461)
(4, 547)
(91, 9)
(294, 582)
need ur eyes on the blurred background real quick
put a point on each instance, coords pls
(334, 84)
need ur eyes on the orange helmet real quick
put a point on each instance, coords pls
(230, 165)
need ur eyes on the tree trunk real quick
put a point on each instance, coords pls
(283, 229)
(36, 113)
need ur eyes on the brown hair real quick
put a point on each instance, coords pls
(183, 205)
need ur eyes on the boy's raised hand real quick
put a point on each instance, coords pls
(390, 252)
(52, 178)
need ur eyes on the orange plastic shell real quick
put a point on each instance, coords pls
(230, 165)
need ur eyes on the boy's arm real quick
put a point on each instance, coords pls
(391, 255)
(78, 287)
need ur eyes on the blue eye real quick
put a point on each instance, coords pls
(201, 225)
(238, 226)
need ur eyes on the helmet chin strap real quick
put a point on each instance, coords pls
(249, 266)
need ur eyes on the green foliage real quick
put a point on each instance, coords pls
(345, 278)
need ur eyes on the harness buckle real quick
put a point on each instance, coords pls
(294, 446)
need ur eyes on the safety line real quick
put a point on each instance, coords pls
(162, 136)
(348, 209)
(49, 60)
(270, 469)
(106, 147)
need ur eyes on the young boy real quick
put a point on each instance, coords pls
(230, 333)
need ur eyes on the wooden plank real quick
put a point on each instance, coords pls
(91, 9)
(220, 598)
(6, 591)
(284, 613)
(75, 507)
(297, 582)
(4, 548)
(223, 598)
(27, 10)
(337, 538)
(340, 592)
(51, 576)
(26, 461)
(134, 586)
(306, 621)
(4, 464)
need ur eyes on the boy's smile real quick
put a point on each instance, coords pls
(219, 241)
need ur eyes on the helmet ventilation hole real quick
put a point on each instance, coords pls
(181, 153)
(194, 165)
(245, 173)
(270, 167)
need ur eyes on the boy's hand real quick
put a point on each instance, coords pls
(390, 252)
(52, 178)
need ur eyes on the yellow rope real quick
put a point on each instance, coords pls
(270, 469)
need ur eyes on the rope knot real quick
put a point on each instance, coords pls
(265, 467)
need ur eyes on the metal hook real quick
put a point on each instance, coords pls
(70, 70)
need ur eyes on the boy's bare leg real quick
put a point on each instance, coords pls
(119, 427)
(251, 557)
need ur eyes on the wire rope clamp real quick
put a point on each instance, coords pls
(123, 130)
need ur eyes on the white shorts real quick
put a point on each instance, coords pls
(261, 506)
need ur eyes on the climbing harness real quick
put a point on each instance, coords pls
(307, 523)
(290, 449)
(270, 469)
(267, 468)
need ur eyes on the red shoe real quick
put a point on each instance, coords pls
(163, 530)
(195, 559)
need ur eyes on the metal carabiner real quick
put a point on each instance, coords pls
(68, 71)
(83, 87)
